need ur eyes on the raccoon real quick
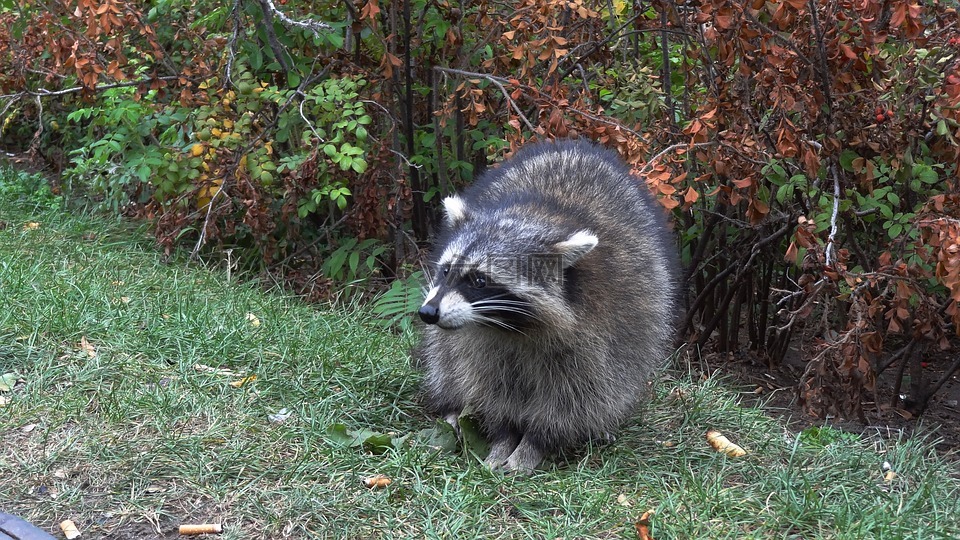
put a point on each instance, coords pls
(550, 303)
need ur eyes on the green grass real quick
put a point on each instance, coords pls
(131, 440)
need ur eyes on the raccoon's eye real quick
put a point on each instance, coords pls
(477, 280)
(445, 269)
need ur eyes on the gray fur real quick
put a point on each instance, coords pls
(550, 359)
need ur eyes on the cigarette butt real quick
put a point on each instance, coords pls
(377, 481)
(204, 528)
(722, 444)
(69, 529)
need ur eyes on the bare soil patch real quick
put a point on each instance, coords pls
(775, 390)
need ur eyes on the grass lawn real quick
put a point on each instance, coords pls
(113, 414)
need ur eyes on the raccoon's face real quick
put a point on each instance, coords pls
(464, 292)
(500, 272)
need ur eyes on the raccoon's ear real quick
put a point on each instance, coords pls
(455, 210)
(576, 246)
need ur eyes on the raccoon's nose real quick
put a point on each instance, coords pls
(429, 314)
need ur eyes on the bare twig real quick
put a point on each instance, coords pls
(232, 44)
(609, 122)
(35, 143)
(822, 65)
(777, 36)
(833, 217)
(665, 76)
(497, 81)
(906, 350)
(393, 122)
(646, 168)
(268, 10)
(306, 24)
(596, 46)
(74, 89)
(308, 122)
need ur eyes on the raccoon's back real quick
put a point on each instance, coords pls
(577, 178)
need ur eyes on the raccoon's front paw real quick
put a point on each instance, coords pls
(454, 420)
(521, 460)
(500, 451)
(524, 460)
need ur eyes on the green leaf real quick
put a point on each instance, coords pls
(895, 230)
(942, 129)
(354, 261)
(8, 381)
(473, 439)
(846, 159)
(369, 440)
(293, 79)
(784, 192)
(926, 174)
(339, 435)
(378, 443)
(780, 172)
(440, 437)
(334, 39)
(334, 265)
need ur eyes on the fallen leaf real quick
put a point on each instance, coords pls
(472, 434)
(722, 444)
(676, 394)
(239, 383)
(441, 436)
(643, 526)
(88, 347)
(371, 441)
(4, 401)
(254, 320)
(31, 226)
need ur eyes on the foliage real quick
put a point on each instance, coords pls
(25, 189)
(404, 297)
(848, 165)
(806, 148)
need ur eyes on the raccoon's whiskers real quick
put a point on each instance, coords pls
(498, 322)
(496, 300)
(488, 307)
